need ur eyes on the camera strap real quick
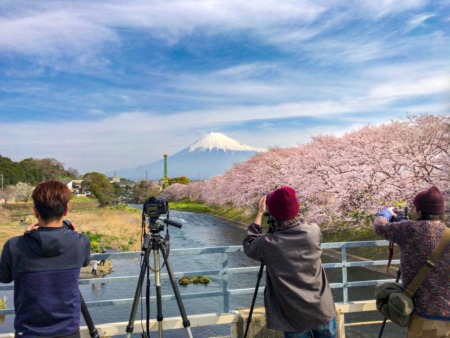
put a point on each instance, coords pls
(167, 242)
(391, 255)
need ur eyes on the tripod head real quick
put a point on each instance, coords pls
(155, 226)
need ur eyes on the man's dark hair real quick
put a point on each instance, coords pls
(51, 199)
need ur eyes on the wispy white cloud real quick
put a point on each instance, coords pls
(51, 33)
(382, 8)
(419, 20)
(129, 81)
(421, 87)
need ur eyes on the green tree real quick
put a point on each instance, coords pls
(144, 190)
(117, 189)
(10, 170)
(182, 180)
(100, 187)
(33, 171)
(52, 169)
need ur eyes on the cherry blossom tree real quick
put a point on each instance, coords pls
(341, 181)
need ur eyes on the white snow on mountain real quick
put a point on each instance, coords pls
(210, 156)
(220, 141)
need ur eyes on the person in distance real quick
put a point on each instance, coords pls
(44, 264)
(417, 240)
(297, 296)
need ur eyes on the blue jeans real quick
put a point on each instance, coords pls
(326, 330)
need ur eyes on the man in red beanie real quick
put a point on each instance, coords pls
(417, 240)
(297, 297)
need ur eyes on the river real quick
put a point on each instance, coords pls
(203, 230)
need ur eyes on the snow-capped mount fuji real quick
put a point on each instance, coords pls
(210, 156)
(218, 141)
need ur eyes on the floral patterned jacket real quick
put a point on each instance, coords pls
(417, 240)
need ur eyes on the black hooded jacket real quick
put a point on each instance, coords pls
(45, 267)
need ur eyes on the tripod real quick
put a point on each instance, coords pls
(271, 223)
(155, 243)
(87, 318)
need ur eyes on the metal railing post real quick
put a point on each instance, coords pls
(225, 284)
(344, 274)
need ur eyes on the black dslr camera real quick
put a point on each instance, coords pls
(155, 206)
(152, 209)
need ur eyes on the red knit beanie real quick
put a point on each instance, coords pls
(430, 201)
(283, 204)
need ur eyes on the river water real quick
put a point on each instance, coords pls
(204, 230)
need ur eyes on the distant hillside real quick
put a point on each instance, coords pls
(33, 171)
(210, 156)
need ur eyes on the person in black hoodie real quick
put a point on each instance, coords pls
(45, 264)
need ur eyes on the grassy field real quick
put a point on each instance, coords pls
(115, 228)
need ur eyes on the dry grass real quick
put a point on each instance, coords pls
(12, 224)
(118, 229)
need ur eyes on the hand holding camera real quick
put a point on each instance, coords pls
(399, 214)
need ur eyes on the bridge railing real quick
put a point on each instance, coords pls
(225, 272)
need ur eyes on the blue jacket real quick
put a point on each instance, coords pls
(45, 267)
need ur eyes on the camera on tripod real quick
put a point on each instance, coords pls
(152, 209)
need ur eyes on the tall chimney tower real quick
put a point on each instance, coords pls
(165, 179)
(165, 165)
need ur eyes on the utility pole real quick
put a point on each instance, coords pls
(2, 181)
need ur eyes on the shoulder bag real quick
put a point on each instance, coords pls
(394, 301)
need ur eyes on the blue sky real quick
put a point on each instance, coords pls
(105, 85)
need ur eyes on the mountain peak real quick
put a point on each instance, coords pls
(220, 141)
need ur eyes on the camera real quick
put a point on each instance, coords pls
(267, 212)
(155, 206)
(402, 214)
(68, 224)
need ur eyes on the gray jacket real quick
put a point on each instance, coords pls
(297, 295)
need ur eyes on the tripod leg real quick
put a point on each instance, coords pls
(186, 323)
(159, 315)
(137, 295)
(249, 318)
(88, 319)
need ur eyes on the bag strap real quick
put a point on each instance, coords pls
(429, 264)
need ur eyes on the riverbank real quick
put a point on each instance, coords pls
(120, 227)
(102, 271)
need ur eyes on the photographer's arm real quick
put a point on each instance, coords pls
(381, 221)
(387, 213)
(261, 210)
(397, 232)
(5, 264)
(252, 247)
